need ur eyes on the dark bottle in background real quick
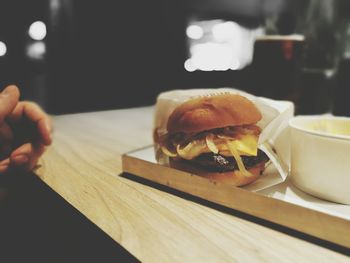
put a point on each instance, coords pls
(319, 22)
(276, 64)
(341, 104)
(278, 54)
(315, 88)
(298, 58)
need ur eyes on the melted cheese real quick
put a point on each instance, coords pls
(241, 167)
(209, 139)
(245, 144)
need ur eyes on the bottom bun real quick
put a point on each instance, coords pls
(235, 178)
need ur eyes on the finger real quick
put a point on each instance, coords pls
(27, 155)
(4, 169)
(45, 130)
(8, 100)
(6, 133)
(4, 165)
(35, 114)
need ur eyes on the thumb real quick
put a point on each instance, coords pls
(8, 100)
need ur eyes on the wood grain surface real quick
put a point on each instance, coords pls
(84, 165)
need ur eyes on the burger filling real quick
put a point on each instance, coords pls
(218, 163)
(228, 147)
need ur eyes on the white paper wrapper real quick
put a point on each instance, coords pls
(274, 138)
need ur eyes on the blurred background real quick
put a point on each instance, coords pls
(84, 55)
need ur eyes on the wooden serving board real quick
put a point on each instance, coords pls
(277, 201)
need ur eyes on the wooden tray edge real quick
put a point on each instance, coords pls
(306, 220)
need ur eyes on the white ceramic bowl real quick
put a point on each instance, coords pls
(320, 157)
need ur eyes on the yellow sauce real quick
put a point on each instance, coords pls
(333, 127)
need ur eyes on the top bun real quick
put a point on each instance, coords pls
(210, 112)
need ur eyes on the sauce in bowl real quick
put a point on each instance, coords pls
(338, 127)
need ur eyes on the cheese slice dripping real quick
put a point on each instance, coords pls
(235, 154)
(245, 145)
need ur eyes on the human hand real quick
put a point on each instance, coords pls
(25, 130)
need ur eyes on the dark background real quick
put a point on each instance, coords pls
(116, 54)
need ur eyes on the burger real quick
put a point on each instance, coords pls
(215, 137)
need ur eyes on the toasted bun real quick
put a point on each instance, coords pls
(212, 112)
(234, 178)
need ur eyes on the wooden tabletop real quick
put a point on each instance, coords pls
(83, 166)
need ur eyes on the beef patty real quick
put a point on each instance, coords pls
(219, 163)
